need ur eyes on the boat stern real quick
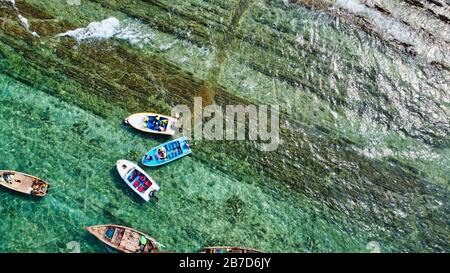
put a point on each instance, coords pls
(172, 126)
(184, 143)
(149, 193)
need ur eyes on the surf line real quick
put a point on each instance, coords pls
(22, 19)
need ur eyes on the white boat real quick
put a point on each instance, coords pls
(153, 123)
(137, 179)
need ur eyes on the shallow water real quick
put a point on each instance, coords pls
(198, 207)
(365, 151)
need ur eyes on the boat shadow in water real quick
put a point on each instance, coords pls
(128, 191)
(23, 196)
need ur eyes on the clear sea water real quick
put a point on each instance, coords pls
(365, 155)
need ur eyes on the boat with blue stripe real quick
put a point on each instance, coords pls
(167, 152)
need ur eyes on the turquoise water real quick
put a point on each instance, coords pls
(198, 206)
(365, 154)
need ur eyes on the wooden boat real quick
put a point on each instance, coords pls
(124, 239)
(137, 179)
(229, 249)
(167, 152)
(23, 183)
(153, 123)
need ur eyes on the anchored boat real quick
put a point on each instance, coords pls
(229, 249)
(23, 183)
(124, 239)
(137, 179)
(153, 123)
(167, 152)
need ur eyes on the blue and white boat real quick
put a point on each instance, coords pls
(167, 152)
(153, 123)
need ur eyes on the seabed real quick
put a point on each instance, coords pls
(364, 122)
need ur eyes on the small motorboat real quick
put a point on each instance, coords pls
(153, 123)
(137, 179)
(229, 249)
(124, 239)
(23, 183)
(167, 152)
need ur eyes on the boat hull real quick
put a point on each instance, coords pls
(153, 123)
(139, 181)
(23, 183)
(173, 150)
(124, 239)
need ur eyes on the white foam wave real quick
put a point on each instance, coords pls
(134, 34)
(95, 30)
(23, 20)
(13, 2)
(26, 25)
(397, 30)
(167, 46)
(112, 28)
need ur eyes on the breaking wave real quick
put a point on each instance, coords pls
(131, 31)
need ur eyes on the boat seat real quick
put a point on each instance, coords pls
(130, 241)
(117, 236)
(141, 188)
(132, 176)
